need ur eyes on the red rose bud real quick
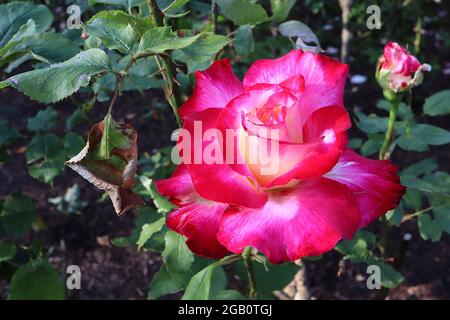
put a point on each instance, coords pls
(398, 70)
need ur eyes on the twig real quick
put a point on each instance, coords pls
(346, 35)
(166, 66)
(156, 14)
(116, 93)
(416, 214)
(246, 256)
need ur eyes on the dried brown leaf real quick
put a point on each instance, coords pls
(114, 175)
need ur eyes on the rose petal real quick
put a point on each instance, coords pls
(199, 222)
(374, 183)
(215, 87)
(315, 69)
(306, 221)
(196, 218)
(324, 140)
(215, 180)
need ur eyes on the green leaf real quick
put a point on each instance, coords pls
(148, 230)
(355, 247)
(437, 104)
(419, 184)
(243, 40)
(206, 284)
(372, 145)
(47, 47)
(162, 204)
(306, 38)
(127, 4)
(120, 242)
(390, 278)
(199, 55)
(45, 157)
(440, 180)
(174, 7)
(281, 9)
(413, 198)
(7, 251)
(15, 14)
(367, 236)
(7, 134)
(61, 80)
(275, 278)
(404, 111)
(36, 280)
(165, 282)
(73, 143)
(176, 254)
(268, 277)
(229, 295)
(24, 31)
(422, 167)
(395, 216)
(78, 117)
(161, 39)
(117, 29)
(429, 229)
(242, 12)
(147, 215)
(371, 123)
(44, 120)
(141, 76)
(419, 136)
(112, 138)
(355, 143)
(17, 215)
(442, 217)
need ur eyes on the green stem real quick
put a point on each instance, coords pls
(166, 66)
(418, 38)
(213, 16)
(156, 13)
(395, 101)
(228, 259)
(171, 89)
(384, 236)
(416, 214)
(116, 93)
(247, 256)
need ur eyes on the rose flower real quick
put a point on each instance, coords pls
(284, 183)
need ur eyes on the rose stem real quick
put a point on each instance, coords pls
(394, 101)
(166, 66)
(246, 257)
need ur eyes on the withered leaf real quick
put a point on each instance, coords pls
(109, 162)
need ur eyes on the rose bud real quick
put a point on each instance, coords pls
(398, 70)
